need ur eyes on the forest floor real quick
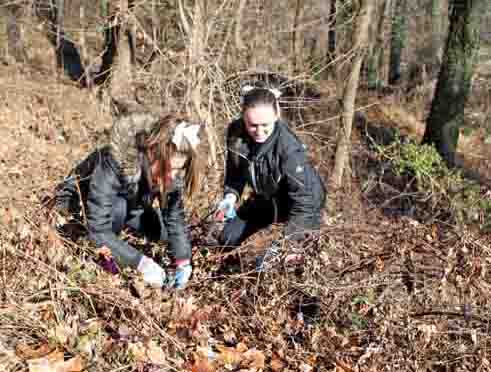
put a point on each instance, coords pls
(378, 291)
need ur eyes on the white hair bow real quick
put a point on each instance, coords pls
(186, 131)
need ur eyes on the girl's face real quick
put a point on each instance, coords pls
(260, 121)
(175, 167)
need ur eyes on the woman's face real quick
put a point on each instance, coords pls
(176, 167)
(260, 121)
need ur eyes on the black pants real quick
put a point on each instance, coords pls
(147, 222)
(253, 215)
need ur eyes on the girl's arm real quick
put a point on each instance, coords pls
(103, 190)
(174, 221)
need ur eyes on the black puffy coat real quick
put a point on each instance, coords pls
(277, 169)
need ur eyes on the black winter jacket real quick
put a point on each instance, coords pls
(277, 169)
(101, 184)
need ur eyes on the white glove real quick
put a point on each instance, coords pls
(227, 207)
(153, 274)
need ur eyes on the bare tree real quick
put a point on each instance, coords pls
(195, 31)
(331, 34)
(454, 80)
(436, 30)
(67, 56)
(15, 44)
(375, 59)
(238, 25)
(121, 85)
(296, 24)
(398, 40)
(360, 41)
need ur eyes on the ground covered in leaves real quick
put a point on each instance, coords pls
(377, 291)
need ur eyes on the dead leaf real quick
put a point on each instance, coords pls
(74, 364)
(186, 307)
(155, 354)
(61, 334)
(342, 366)
(124, 331)
(230, 338)
(54, 362)
(229, 355)
(29, 352)
(304, 367)
(149, 353)
(379, 264)
(202, 365)
(255, 359)
(241, 347)
(137, 350)
(8, 358)
(434, 231)
(277, 363)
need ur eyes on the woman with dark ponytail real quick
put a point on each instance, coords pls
(263, 152)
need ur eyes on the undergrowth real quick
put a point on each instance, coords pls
(438, 191)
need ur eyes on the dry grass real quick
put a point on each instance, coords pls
(392, 293)
(389, 293)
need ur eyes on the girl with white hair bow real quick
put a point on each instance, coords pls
(148, 158)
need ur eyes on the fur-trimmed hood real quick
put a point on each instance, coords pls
(126, 141)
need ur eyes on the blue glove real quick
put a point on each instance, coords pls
(179, 277)
(266, 261)
(227, 207)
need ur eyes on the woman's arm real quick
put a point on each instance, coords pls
(235, 178)
(103, 191)
(298, 179)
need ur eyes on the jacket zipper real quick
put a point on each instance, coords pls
(253, 176)
(251, 169)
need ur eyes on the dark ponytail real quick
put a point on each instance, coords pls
(256, 96)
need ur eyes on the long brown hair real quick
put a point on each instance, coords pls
(159, 144)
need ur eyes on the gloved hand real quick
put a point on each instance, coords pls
(271, 256)
(226, 208)
(183, 274)
(179, 277)
(153, 274)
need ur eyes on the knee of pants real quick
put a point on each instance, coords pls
(233, 232)
(119, 212)
(154, 226)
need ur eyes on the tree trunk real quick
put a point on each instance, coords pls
(121, 83)
(454, 81)
(15, 42)
(82, 38)
(376, 56)
(238, 25)
(398, 41)
(360, 41)
(60, 14)
(111, 30)
(436, 31)
(119, 52)
(193, 24)
(67, 55)
(296, 25)
(331, 34)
